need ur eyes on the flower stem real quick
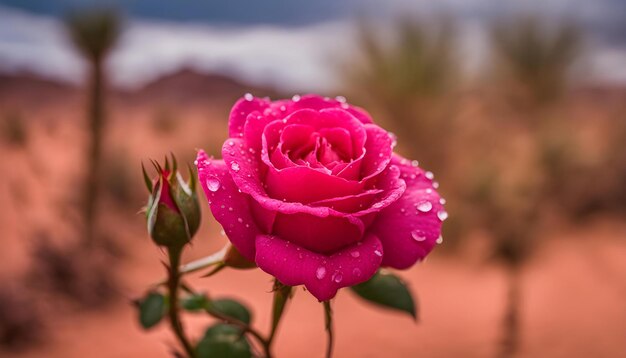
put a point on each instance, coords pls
(328, 317)
(282, 293)
(173, 284)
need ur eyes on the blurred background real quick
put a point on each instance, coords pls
(518, 107)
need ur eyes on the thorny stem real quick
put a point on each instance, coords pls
(173, 284)
(328, 318)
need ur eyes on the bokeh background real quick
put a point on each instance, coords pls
(519, 107)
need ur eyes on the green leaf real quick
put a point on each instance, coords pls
(196, 302)
(387, 290)
(231, 308)
(224, 341)
(151, 309)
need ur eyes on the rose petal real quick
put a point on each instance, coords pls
(239, 114)
(229, 206)
(322, 275)
(313, 101)
(322, 235)
(408, 234)
(245, 170)
(378, 151)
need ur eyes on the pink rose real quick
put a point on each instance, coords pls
(311, 191)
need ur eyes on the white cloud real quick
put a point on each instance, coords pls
(294, 59)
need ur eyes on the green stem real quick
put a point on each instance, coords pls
(282, 293)
(328, 318)
(173, 284)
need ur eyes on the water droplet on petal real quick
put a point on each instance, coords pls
(429, 175)
(442, 215)
(356, 272)
(213, 184)
(337, 277)
(240, 220)
(355, 254)
(295, 98)
(248, 97)
(424, 206)
(442, 201)
(415, 163)
(320, 273)
(418, 235)
(234, 166)
(341, 99)
(435, 184)
(378, 253)
(439, 239)
(230, 208)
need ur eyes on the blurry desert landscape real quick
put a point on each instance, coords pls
(532, 164)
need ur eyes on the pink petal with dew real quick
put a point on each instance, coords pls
(410, 227)
(240, 111)
(229, 206)
(322, 275)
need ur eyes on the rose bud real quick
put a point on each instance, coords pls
(173, 212)
(310, 189)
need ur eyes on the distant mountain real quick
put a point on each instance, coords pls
(187, 85)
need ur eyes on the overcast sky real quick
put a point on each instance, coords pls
(291, 44)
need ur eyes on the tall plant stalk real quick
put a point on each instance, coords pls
(94, 33)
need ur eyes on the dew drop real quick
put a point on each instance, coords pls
(356, 272)
(240, 220)
(418, 235)
(234, 166)
(341, 99)
(337, 277)
(248, 97)
(442, 215)
(424, 206)
(435, 184)
(320, 273)
(429, 175)
(439, 239)
(442, 201)
(415, 163)
(230, 208)
(355, 254)
(295, 98)
(378, 253)
(213, 184)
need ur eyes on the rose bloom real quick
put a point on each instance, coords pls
(311, 191)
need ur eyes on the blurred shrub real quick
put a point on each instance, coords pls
(533, 58)
(164, 121)
(14, 129)
(20, 320)
(83, 277)
(406, 75)
(119, 179)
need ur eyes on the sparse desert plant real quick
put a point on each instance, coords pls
(534, 57)
(14, 129)
(94, 33)
(406, 76)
